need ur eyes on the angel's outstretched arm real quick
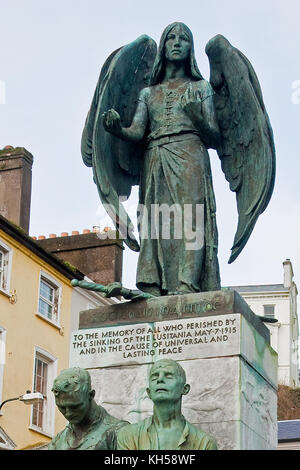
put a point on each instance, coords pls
(136, 131)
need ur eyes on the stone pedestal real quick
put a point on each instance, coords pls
(221, 344)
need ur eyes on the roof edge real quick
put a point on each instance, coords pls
(22, 237)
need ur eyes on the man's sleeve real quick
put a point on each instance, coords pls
(125, 440)
(53, 443)
(51, 446)
(211, 444)
(111, 434)
(207, 442)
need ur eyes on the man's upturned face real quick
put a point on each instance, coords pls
(73, 405)
(166, 383)
(177, 45)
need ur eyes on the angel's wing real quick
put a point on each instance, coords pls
(247, 152)
(116, 162)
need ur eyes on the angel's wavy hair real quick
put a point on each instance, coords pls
(159, 63)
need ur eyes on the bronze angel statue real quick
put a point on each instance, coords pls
(152, 120)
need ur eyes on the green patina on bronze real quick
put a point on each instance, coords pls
(167, 429)
(90, 426)
(114, 289)
(152, 120)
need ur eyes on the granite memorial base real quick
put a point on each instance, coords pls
(222, 345)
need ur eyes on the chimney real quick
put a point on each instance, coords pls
(288, 274)
(15, 185)
(99, 258)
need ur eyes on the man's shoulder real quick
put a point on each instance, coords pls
(128, 437)
(58, 440)
(132, 428)
(202, 440)
(111, 421)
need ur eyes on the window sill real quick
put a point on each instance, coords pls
(5, 292)
(56, 325)
(34, 428)
(275, 325)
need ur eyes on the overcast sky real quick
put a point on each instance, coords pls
(51, 53)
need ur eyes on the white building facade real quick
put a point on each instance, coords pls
(279, 301)
(84, 299)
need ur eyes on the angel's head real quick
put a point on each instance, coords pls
(176, 44)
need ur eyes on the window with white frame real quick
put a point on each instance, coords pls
(2, 256)
(45, 367)
(5, 266)
(269, 311)
(49, 298)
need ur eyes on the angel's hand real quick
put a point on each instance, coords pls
(191, 102)
(113, 290)
(112, 122)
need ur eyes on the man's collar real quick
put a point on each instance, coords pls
(185, 433)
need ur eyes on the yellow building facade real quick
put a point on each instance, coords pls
(35, 305)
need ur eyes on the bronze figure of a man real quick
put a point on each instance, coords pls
(167, 429)
(90, 426)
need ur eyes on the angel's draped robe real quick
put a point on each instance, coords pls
(176, 172)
